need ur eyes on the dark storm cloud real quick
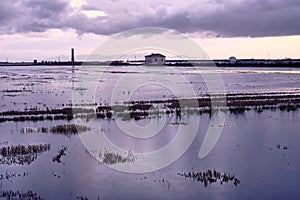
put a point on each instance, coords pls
(44, 9)
(31, 15)
(256, 19)
(233, 18)
(6, 14)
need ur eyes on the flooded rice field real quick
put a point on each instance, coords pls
(136, 132)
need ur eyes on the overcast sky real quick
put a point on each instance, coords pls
(245, 28)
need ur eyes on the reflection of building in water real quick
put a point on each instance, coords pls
(155, 59)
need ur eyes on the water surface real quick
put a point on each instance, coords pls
(250, 146)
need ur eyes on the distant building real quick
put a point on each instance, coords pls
(232, 59)
(72, 55)
(155, 59)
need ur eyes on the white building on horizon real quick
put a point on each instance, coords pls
(232, 59)
(155, 59)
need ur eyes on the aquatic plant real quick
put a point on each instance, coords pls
(69, 128)
(114, 158)
(21, 154)
(61, 153)
(236, 103)
(10, 175)
(280, 146)
(140, 106)
(157, 180)
(258, 109)
(22, 150)
(237, 110)
(82, 198)
(178, 123)
(58, 129)
(15, 195)
(211, 176)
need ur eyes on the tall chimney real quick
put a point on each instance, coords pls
(72, 55)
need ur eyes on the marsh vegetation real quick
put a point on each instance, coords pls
(210, 177)
(21, 154)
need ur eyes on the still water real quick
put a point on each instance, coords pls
(260, 149)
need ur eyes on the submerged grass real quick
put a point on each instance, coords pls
(21, 154)
(137, 110)
(67, 129)
(211, 176)
(14, 195)
(110, 158)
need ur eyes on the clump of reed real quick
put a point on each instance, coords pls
(178, 123)
(58, 129)
(110, 158)
(20, 195)
(10, 175)
(21, 154)
(238, 109)
(288, 107)
(34, 130)
(82, 197)
(35, 118)
(22, 149)
(280, 146)
(211, 176)
(69, 128)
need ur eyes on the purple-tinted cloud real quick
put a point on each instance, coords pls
(233, 18)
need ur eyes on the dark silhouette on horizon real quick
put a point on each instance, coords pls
(231, 62)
